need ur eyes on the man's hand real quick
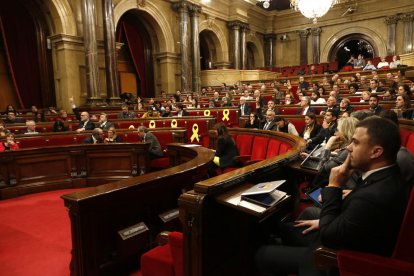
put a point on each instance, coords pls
(340, 175)
(324, 123)
(311, 225)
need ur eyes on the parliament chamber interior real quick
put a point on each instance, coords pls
(117, 120)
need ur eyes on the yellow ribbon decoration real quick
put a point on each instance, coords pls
(206, 113)
(195, 133)
(152, 124)
(131, 127)
(226, 114)
(174, 123)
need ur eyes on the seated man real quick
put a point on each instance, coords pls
(155, 150)
(84, 121)
(103, 122)
(31, 127)
(95, 138)
(245, 108)
(367, 219)
(305, 102)
(269, 123)
(12, 119)
(125, 114)
(328, 129)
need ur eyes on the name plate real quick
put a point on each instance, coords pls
(169, 215)
(133, 230)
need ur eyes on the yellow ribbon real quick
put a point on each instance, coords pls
(131, 127)
(152, 124)
(226, 113)
(174, 123)
(206, 113)
(195, 133)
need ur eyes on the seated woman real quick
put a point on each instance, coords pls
(311, 127)
(59, 126)
(112, 136)
(345, 106)
(403, 107)
(335, 152)
(226, 151)
(9, 143)
(283, 125)
(365, 95)
(3, 130)
(226, 102)
(253, 121)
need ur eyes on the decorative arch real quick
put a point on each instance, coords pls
(159, 23)
(220, 41)
(257, 49)
(380, 47)
(62, 18)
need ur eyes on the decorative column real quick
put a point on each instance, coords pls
(407, 18)
(91, 52)
(269, 39)
(303, 35)
(182, 8)
(112, 85)
(235, 26)
(243, 46)
(195, 46)
(391, 22)
(316, 46)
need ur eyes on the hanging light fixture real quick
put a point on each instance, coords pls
(266, 3)
(313, 9)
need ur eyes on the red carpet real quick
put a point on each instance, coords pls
(35, 235)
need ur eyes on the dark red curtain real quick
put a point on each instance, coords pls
(19, 38)
(129, 34)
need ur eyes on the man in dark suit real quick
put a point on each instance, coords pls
(367, 219)
(181, 111)
(245, 108)
(305, 106)
(95, 138)
(373, 86)
(125, 113)
(374, 104)
(302, 85)
(270, 123)
(103, 122)
(84, 122)
(155, 150)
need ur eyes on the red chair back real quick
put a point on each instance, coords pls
(404, 248)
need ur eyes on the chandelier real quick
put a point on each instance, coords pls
(313, 9)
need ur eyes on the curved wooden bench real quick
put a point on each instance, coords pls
(99, 214)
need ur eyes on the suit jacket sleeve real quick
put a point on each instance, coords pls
(76, 112)
(90, 126)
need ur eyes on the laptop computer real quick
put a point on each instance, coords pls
(312, 161)
(265, 194)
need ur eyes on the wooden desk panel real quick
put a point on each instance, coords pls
(49, 168)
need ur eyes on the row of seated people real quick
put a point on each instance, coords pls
(268, 263)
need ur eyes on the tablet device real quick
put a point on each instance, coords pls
(314, 195)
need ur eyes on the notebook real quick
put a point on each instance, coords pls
(312, 161)
(265, 194)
